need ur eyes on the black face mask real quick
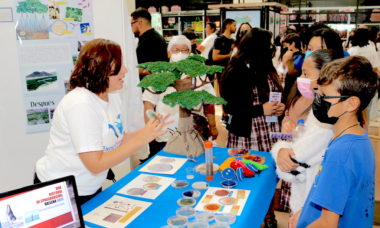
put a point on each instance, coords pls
(322, 107)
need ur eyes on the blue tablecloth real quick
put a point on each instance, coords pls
(262, 188)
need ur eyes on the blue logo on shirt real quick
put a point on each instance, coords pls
(117, 127)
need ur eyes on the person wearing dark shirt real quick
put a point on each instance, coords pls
(151, 46)
(222, 49)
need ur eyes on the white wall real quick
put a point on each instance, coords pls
(19, 151)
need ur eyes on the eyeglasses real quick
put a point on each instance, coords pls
(133, 22)
(319, 97)
(176, 50)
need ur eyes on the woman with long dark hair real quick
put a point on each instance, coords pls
(246, 84)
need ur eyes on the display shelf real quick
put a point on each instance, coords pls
(341, 19)
(197, 19)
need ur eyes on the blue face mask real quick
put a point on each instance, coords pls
(307, 53)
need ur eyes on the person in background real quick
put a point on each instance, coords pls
(87, 136)
(207, 43)
(342, 194)
(222, 51)
(373, 31)
(179, 49)
(246, 84)
(360, 45)
(307, 33)
(291, 61)
(294, 188)
(243, 29)
(326, 38)
(149, 40)
(223, 44)
(190, 34)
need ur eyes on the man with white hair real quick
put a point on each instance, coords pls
(179, 48)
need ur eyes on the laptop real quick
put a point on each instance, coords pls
(48, 204)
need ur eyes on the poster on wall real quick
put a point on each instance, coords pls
(50, 35)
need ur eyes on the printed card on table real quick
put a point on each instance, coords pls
(146, 186)
(163, 165)
(222, 200)
(273, 96)
(116, 212)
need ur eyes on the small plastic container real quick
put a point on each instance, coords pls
(200, 185)
(209, 161)
(180, 184)
(186, 201)
(228, 183)
(228, 176)
(198, 224)
(177, 221)
(225, 218)
(205, 216)
(191, 193)
(190, 171)
(187, 212)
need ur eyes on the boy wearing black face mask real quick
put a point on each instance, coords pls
(343, 191)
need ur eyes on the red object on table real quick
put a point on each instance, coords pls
(239, 164)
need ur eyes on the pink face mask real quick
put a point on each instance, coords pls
(303, 85)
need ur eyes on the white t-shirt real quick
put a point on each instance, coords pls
(208, 43)
(164, 109)
(368, 51)
(82, 122)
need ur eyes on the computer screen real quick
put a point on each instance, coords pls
(48, 204)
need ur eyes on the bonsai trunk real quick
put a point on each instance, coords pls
(186, 140)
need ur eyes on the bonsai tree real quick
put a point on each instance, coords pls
(165, 74)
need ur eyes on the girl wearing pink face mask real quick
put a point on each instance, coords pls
(309, 147)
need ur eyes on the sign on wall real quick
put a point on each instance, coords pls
(50, 35)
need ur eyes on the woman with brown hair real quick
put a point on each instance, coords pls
(87, 136)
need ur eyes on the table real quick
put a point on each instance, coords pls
(262, 188)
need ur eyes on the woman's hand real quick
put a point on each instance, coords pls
(283, 160)
(269, 108)
(154, 127)
(279, 109)
(273, 108)
(293, 220)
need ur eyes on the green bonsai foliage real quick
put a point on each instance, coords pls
(194, 68)
(159, 82)
(31, 6)
(164, 75)
(190, 99)
(157, 67)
